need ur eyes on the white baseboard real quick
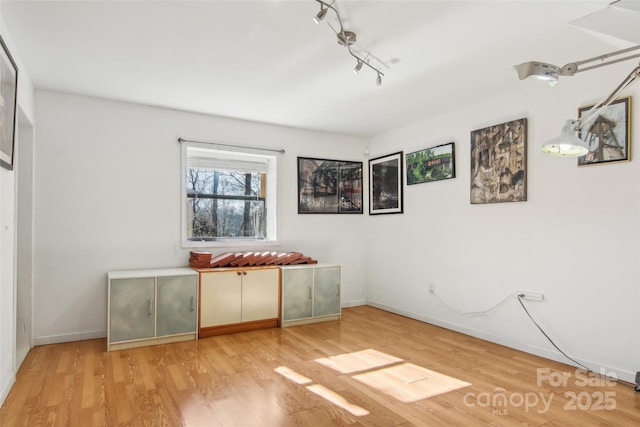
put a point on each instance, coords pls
(6, 388)
(555, 355)
(354, 303)
(78, 336)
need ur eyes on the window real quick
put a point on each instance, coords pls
(228, 196)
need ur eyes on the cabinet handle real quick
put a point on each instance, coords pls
(244, 273)
(150, 308)
(238, 273)
(192, 306)
(310, 295)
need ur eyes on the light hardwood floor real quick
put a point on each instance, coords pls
(372, 368)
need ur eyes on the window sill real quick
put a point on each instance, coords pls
(243, 244)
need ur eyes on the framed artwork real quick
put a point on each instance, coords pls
(329, 186)
(432, 164)
(499, 163)
(385, 184)
(608, 135)
(8, 104)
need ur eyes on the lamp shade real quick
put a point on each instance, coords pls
(567, 144)
(538, 70)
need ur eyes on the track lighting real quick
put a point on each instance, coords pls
(347, 39)
(320, 16)
(358, 67)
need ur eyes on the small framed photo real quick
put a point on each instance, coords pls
(8, 106)
(385, 184)
(329, 186)
(432, 164)
(608, 135)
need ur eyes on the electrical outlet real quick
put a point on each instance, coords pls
(530, 296)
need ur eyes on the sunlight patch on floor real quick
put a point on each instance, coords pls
(388, 374)
(409, 383)
(358, 361)
(292, 375)
(322, 391)
(337, 400)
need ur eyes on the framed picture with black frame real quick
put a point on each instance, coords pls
(328, 186)
(8, 106)
(385, 184)
(608, 135)
(431, 164)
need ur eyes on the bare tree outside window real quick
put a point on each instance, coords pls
(225, 204)
(228, 195)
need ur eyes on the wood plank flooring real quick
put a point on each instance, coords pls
(372, 368)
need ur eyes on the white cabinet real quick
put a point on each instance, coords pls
(233, 300)
(310, 293)
(151, 307)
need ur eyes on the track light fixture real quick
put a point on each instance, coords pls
(347, 39)
(320, 16)
(358, 67)
(360, 63)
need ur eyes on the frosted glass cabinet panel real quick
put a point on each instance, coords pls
(132, 307)
(297, 293)
(310, 293)
(176, 304)
(148, 307)
(326, 295)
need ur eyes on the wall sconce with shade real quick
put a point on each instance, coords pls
(568, 144)
(347, 39)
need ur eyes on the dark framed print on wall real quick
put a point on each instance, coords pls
(385, 184)
(329, 186)
(8, 106)
(608, 135)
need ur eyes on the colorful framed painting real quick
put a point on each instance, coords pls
(329, 186)
(385, 184)
(608, 135)
(432, 164)
(499, 163)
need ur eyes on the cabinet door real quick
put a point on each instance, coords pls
(326, 297)
(220, 298)
(297, 293)
(131, 310)
(260, 294)
(176, 305)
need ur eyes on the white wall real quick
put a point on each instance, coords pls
(576, 239)
(7, 291)
(8, 256)
(108, 195)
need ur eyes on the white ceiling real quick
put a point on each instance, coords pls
(267, 61)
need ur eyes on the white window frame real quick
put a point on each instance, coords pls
(271, 205)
